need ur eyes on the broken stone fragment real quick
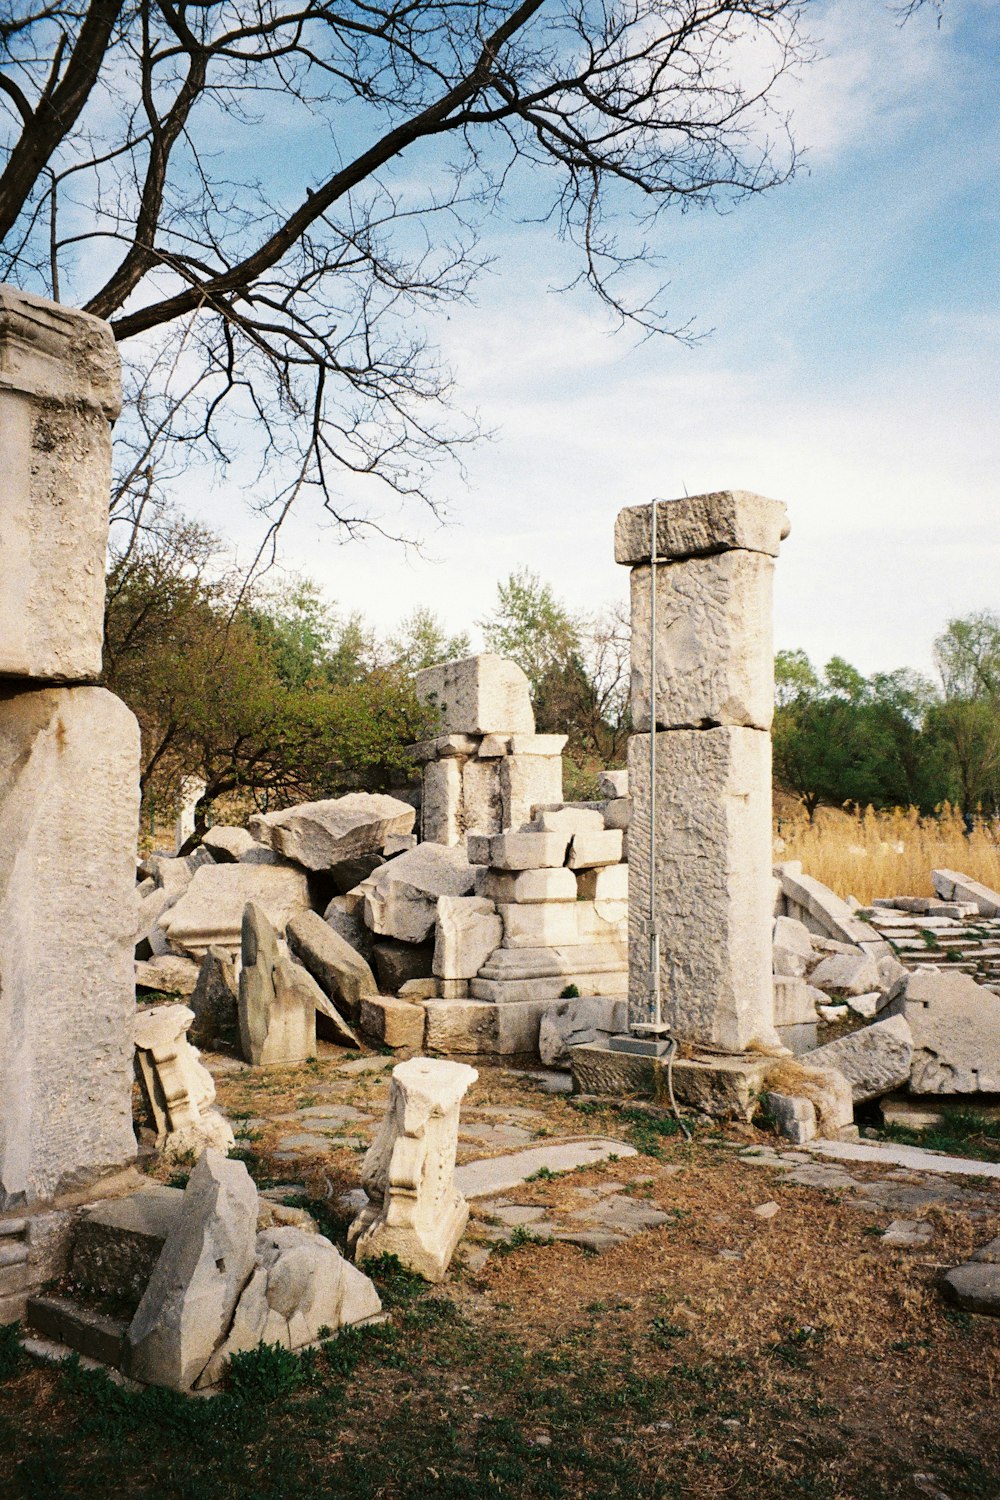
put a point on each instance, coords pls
(613, 784)
(319, 835)
(214, 1001)
(791, 947)
(340, 970)
(530, 887)
(955, 1025)
(846, 974)
(277, 1011)
(526, 850)
(401, 898)
(953, 886)
(396, 964)
(588, 851)
(166, 974)
(393, 1023)
(478, 695)
(526, 780)
(874, 1060)
(178, 1090)
(591, 1018)
(794, 1116)
(300, 1284)
(414, 1210)
(204, 1265)
(227, 845)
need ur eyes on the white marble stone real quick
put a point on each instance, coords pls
(478, 695)
(179, 1091)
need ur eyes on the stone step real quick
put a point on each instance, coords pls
(118, 1242)
(78, 1327)
(55, 1353)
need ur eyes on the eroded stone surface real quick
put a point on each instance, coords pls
(341, 971)
(479, 695)
(69, 813)
(319, 835)
(874, 1060)
(467, 930)
(956, 1032)
(210, 911)
(401, 898)
(179, 1091)
(697, 525)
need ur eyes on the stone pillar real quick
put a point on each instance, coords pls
(193, 788)
(69, 769)
(714, 704)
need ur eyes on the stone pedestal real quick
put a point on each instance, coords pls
(415, 1211)
(712, 897)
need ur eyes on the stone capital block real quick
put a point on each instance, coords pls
(478, 695)
(69, 818)
(60, 390)
(714, 642)
(414, 1209)
(712, 894)
(698, 525)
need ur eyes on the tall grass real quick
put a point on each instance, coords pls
(868, 854)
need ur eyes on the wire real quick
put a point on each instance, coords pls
(670, 1089)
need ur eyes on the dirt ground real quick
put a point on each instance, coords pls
(720, 1351)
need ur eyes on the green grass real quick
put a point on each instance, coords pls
(961, 1133)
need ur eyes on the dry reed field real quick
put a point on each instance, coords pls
(867, 853)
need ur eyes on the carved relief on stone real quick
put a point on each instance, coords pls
(178, 1089)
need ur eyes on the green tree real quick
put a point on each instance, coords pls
(532, 627)
(422, 641)
(967, 723)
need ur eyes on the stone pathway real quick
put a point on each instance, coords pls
(902, 1189)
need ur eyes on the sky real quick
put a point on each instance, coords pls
(847, 364)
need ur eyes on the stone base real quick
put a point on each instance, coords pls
(427, 1253)
(550, 989)
(725, 1087)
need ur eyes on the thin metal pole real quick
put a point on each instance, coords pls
(654, 935)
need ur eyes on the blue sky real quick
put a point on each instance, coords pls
(849, 367)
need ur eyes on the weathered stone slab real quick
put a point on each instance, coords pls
(401, 898)
(874, 1060)
(609, 980)
(340, 970)
(569, 821)
(794, 1116)
(396, 964)
(953, 886)
(498, 1174)
(473, 1027)
(118, 1242)
(214, 1001)
(478, 695)
(825, 913)
(613, 784)
(466, 932)
(974, 1287)
(393, 1023)
(319, 835)
(414, 1209)
(210, 912)
(543, 962)
(698, 525)
(846, 974)
(590, 851)
(713, 839)
(60, 390)
(795, 1001)
(69, 815)
(791, 948)
(206, 1260)
(956, 1032)
(226, 844)
(603, 884)
(346, 916)
(714, 645)
(526, 850)
(167, 974)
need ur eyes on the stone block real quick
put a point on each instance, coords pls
(792, 948)
(589, 851)
(526, 780)
(393, 1023)
(545, 989)
(713, 840)
(339, 969)
(699, 525)
(618, 813)
(539, 925)
(824, 913)
(538, 744)
(846, 974)
(167, 974)
(441, 804)
(613, 784)
(953, 886)
(214, 1001)
(794, 1117)
(528, 887)
(568, 959)
(477, 847)
(591, 1018)
(714, 646)
(226, 844)
(482, 804)
(118, 1242)
(396, 964)
(210, 912)
(478, 695)
(795, 1001)
(414, 1210)
(508, 1028)
(727, 1088)
(346, 916)
(69, 815)
(603, 883)
(598, 1070)
(527, 851)
(60, 390)
(421, 989)
(466, 932)
(205, 1263)
(874, 1060)
(955, 1025)
(319, 835)
(493, 746)
(399, 843)
(401, 900)
(567, 820)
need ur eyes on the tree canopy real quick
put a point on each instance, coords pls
(267, 197)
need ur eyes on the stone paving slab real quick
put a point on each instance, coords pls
(498, 1174)
(917, 1158)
